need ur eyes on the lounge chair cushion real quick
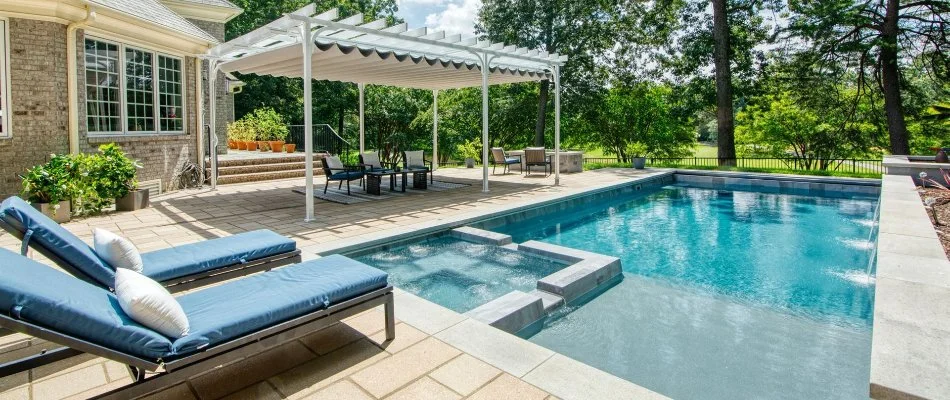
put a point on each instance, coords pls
(414, 159)
(352, 175)
(149, 303)
(372, 160)
(208, 255)
(512, 161)
(54, 300)
(333, 162)
(23, 217)
(244, 306)
(116, 250)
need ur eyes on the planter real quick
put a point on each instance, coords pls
(276, 145)
(241, 145)
(263, 145)
(290, 147)
(232, 144)
(251, 146)
(135, 200)
(639, 162)
(469, 163)
(59, 214)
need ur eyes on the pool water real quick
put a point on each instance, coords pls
(726, 294)
(457, 274)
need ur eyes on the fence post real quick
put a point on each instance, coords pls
(854, 166)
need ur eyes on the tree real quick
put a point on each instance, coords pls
(575, 27)
(724, 117)
(876, 39)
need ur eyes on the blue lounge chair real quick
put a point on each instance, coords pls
(178, 268)
(229, 322)
(334, 170)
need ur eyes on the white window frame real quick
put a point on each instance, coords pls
(5, 107)
(123, 99)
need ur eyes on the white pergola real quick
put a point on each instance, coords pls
(307, 45)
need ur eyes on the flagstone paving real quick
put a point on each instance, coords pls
(432, 357)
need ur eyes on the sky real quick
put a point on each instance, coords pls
(451, 16)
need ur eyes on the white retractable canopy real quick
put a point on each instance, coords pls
(323, 46)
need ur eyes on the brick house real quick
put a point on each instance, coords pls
(75, 74)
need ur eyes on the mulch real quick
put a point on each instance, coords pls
(942, 211)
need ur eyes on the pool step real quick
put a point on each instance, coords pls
(510, 312)
(588, 272)
(481, 236)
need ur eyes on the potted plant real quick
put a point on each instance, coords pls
(49, 187)
(270, 127)
(234, 135)
(118, 173)
(637, 151)
(470, 150)
(290, 147)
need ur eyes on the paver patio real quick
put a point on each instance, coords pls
(437, 353)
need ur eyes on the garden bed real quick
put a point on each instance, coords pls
(942, 212)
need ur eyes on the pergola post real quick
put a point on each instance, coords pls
(435, 129)
(362, 89)
(213, 136)
(557, 125)
(485, 71)
(307, 45)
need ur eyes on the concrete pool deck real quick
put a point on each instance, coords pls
(910, 352)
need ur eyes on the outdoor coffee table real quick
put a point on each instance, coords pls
(375, 177)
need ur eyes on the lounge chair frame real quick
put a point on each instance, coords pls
(178, 284)
(328, 172)
(179, 370)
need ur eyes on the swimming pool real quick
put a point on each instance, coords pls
(726, 293)
(458, 274)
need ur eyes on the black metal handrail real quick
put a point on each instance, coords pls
(854, 165)
(325, 139)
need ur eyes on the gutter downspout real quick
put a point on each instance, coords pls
(72, 67)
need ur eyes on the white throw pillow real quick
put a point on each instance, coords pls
(334, 162)
(116, 250)
(414, 159)
(150, 304)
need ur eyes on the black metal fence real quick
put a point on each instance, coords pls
(325, 139)
(853, 165)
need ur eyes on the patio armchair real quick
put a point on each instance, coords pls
(177, 268)
(536, 157)
(498, 157)
(371, 162)
(229, 322)
(415, 161)
(335, 171)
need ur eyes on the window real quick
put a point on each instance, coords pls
(4, 82)
(132, 90)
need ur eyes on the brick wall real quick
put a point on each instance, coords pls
(160, 155)
(38, 99)
(225, 101)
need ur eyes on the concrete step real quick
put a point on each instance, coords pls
(261, 176)
(250, 169)
(255, 159)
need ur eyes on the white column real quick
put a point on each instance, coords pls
(307, 45)
(435, 129)
(484, 59)
(557, 125)
(213, 121)
(362, 89)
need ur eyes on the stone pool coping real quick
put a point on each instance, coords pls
(910, 347)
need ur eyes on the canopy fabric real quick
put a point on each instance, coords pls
(375, 53)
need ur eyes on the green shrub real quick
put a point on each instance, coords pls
(51, 182)
(470, 149)
(637, 149)
(266, 124)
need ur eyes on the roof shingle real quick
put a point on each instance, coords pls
(215, 3)
(156, 13)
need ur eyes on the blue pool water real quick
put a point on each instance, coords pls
(457, 274)
(726, 294)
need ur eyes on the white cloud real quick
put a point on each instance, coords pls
(457, 17)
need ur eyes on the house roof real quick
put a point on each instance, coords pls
(155, 12)
(213, 3)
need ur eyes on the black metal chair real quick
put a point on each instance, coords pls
(415, 161)
(537, 157)
(371, 162)
(498, 157)
(335, 171)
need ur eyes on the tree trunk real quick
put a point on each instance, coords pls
(724, 117)
(890, 81)
(339, 121)
(542, 113)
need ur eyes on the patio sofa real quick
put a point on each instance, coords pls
(228, 322)
(178, 268)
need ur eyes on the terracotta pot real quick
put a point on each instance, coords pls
(276, 145)
(252, 146)
(231, 144)
(241, 145)
(290, 147)
(263, 145)
(134, 200)
(59, 214)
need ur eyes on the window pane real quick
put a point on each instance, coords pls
(102, 91)
(139, 92)
(170, 94)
